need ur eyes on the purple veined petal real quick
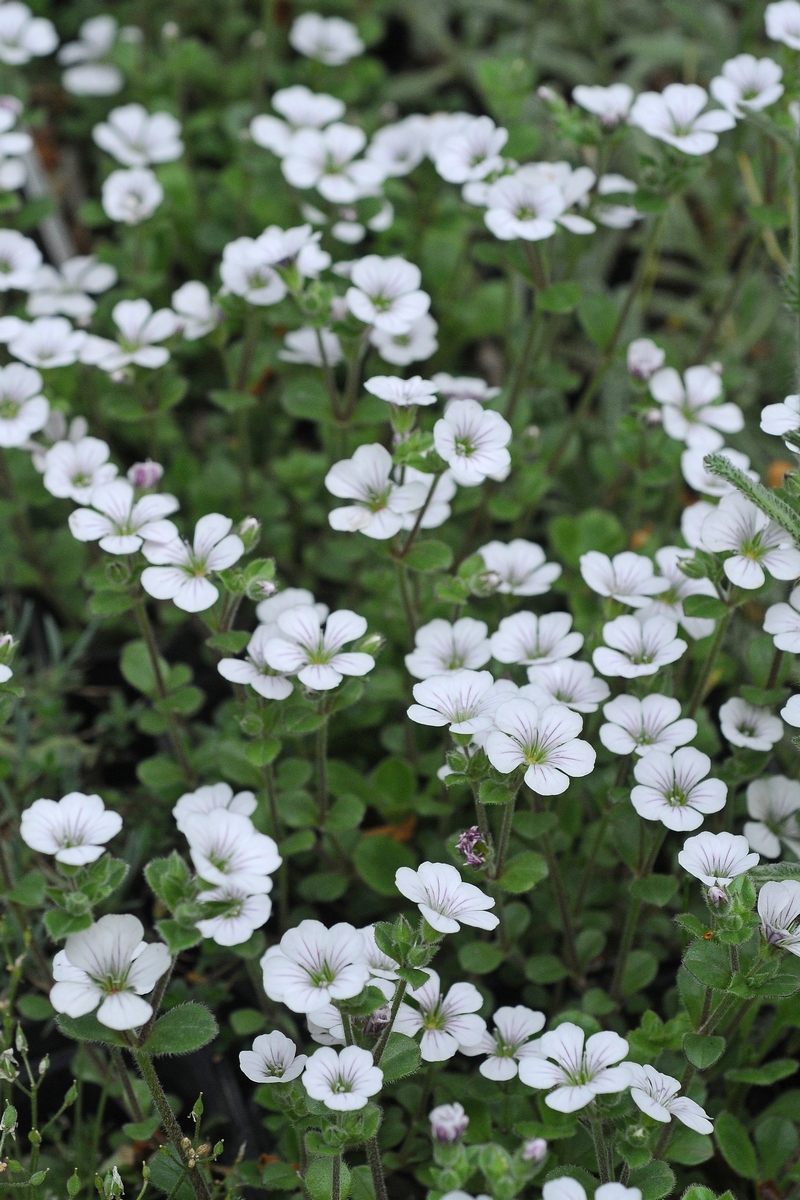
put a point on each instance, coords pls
(352, 663)
(208, 531)
(225, 553)
(163, 583)
(321, 677)
(86, 525)
(546, 780)
(436, 1045)
(570, 1099)
(195, 594)
(303, 625)
(74, 998)
(343, 627)
(350, 518)
(504, 752)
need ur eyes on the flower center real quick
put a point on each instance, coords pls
(434, 1018)
(752, 549)
(676, 796)
(464, 447)
(8, 410)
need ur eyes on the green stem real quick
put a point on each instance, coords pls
(376, 1168)
(600, 1149)
(700, 686)
(774, 670)
(130, 1095)
(149, 638)
(632, 916)
(380, 1045)
(524, 365)
(277, 833)
(412, 536)
(322, 771)
(502, 841)
(406, 598)
(559, 891)
(336, 1178)
(742, 273)
(171, 1127)
(155, 1002)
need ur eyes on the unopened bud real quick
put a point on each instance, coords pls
(170, 30)
(448, 1122)
(644, 358)
(73, 1184)
(372, 644)
(20, 1041)
(145, 474)
(717, 895)
(249, 530)
(186, 1142)
(534, 1150)
(8, 1121)
(44, 1065)
(264, 588)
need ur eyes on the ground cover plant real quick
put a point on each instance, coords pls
(399, 531)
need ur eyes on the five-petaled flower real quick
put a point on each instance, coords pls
(181, 571)
(74, 828)
(673, 789)
(509, 1043)
(578, 1072)
(313, 966)
(343, 1080)
(716, 859)
(657, 1096)
(315, 654)
(444, 900)
(545, 742)
(448, 1022)
(120, 522)
(273, 1059)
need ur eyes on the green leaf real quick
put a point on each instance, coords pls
(769, 872)
(160, 774)
(594, 529)
(178, 937)
(279, 1177)
(109, 603)
(640, 969)
(323, 886)
(559, 297)
(168, 1174)
(777, 1140)
(429, 555)
(400, 1058)
(182, 1030)
(772, 1072)
(305, 398)
(137, 668)
(534, 825)
(232, 642)
(703, 1050)
(523, 872)
(655, 889)
(709, 962)
(297, 843)
(655, 1181)
(35, 1008)
(345, 813)
(141, 1131)
(704, 606)
(232, 402)
(29, 892)
(735, 1146)
(396, 780)
(170, 879)
(301, 720)
(492, 792)
(480, 958)
(688, 1148)
(88, 1029)
(545, 968)
(598, 316)
(769, 216)
(263, 752)
(318, 1180)
(247, 1021)
(376, 859)
(60, 924)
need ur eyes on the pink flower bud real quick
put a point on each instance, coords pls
(534, 1150)
(145, 474)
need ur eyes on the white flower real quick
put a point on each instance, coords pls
(716, 859)
(74, 828)
(522, 207)
(296, 249)
(791, 711)
(578, 1073)
(639, 726)
(108, 965)
(46, 343)
(402, 393)
(472, 153)
(139, 330)
(23, 36)
(437, 509)
(635, 647)
(196, 312)
(270, 609)
(85, 74)
(780, 419)
(325, 159)
(444, 900)
(745, 725)
(509, 1043)
(701, 480)
(131, 196)
(676, 116)
(441, 647)
(692, 520)
(535, 641)
(181, 571)
(23, 409)
(312, 347)
(315, 655)
(301, 109)
(329, 40)
(447, 1022)
(227, 849)
(136, 138)
(463, 387)
(399, 148)
(672, 788)
(14, 143)
(206, 799)
(616, 216)
(69, 289)
(464, 700)
(385, 293)
(567, 1188)
(343, 1081)
(783, 622)
(657, 1096)
(448, 1122)
(611, 104)
(120, 522)
(273, 1059)
(378, 501)
(773, 803)
(520, 567)
(669, 603)
(747, 84)
(255, 672)
(245, 271)
(545, 741)
(644, 358)
(574, 185)
(566, 682)
(20, 258)
(472, 440)
(414, 345)
(314, 966)
(736, 526)
(782, 21)
(74, 469)
(243, 914)
(626, 577)
(779, 909)
(688, 410)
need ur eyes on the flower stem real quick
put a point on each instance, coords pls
(406, 598)
(171, 1127)
(376, 1168)
(336, 1177)
(380, 1045)
(700, 686)
(124, 1078)
(600, 1149)
(149, 638)
(322, 771)
(559, 891)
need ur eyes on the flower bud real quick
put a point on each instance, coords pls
(644, 358)
(448, 1122)
(73, 1184)
(534, 1150)
(20, 1041)
(8, 1121)
(7, 644)
(145, 474)
(372, 644)
(113, 1187)
(249, 530)
(44, 1065)
(170, 30)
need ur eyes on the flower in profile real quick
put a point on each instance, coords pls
(578, 1072)
(312, 347)
(783, 622)
(755, 544)
(634, 647)
(68, 290)
(402, 393)
(273, 1059)
(255, 671)
(343, 1081)
(181, 573)
(145, 475)
(747, 84)
(120, 522)
(448, 1022)
(783, 418)
(688, 409)
(131, 196)
(316, 655)
(441, 647)
(779, 910)
(75, 828)
(520, 566)
(471, 153)
(313, 966)
(567, 682)
(23, 408)
(46, 343)
(644, 358)
(639, 726)
(463, 387)
(471, 844)
(206, 799)
(109, 968)
(140, 329)
(385, 293)
(237, 914)
(448, 1122)
(611, 104)
(378, 502)
(195, 310)
(23, 36)
(86, 73)
(679, 586)
(509, 1043)
(716, 859)
(136, 138)
(20, 257)
(628, 578)
(544, 741)
(676, 116)
(744, 724)
(773, 803)
(444, 900)
(535, 641)
(782, 21)
(673, 789)
(330, 40)
(657, 1096)
(227, 850)
(463, 700)
(415, 344)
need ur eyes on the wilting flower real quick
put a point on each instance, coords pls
(23, 409)
(534, 1150)
(136, 138)
(74, 828)
(754, 542)
(315, 655)
(471, 844)
(520, 567)
(673, 789)
(444, 900)
(567, 682)
(255, 671)
(779, 909)
(747, 84)
(745, 725)
(688, 408)
(273, 1059)
(639, 726)
(510, 1042)
(120, 522)
(447, 1022)
(378, 501)
(182, 571)
(626, 577)
(68, 290)
(644, 358)
(448, 1122)
(657, 1096)
(545, 742)
(463, 700)
(108, 965)
(343, 1081)
(330, 40)
(773, 803)
(634, 647)
(441, 647)
(131, 196)
(226, 849)
(535, 641)
(579, 1072)
(676, 116)
(313, 966)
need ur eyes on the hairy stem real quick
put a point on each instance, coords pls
(171, 1127)
(149, 638)
(376, 1168)
(700, 686)
(380, 1045)
(130, 1095)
